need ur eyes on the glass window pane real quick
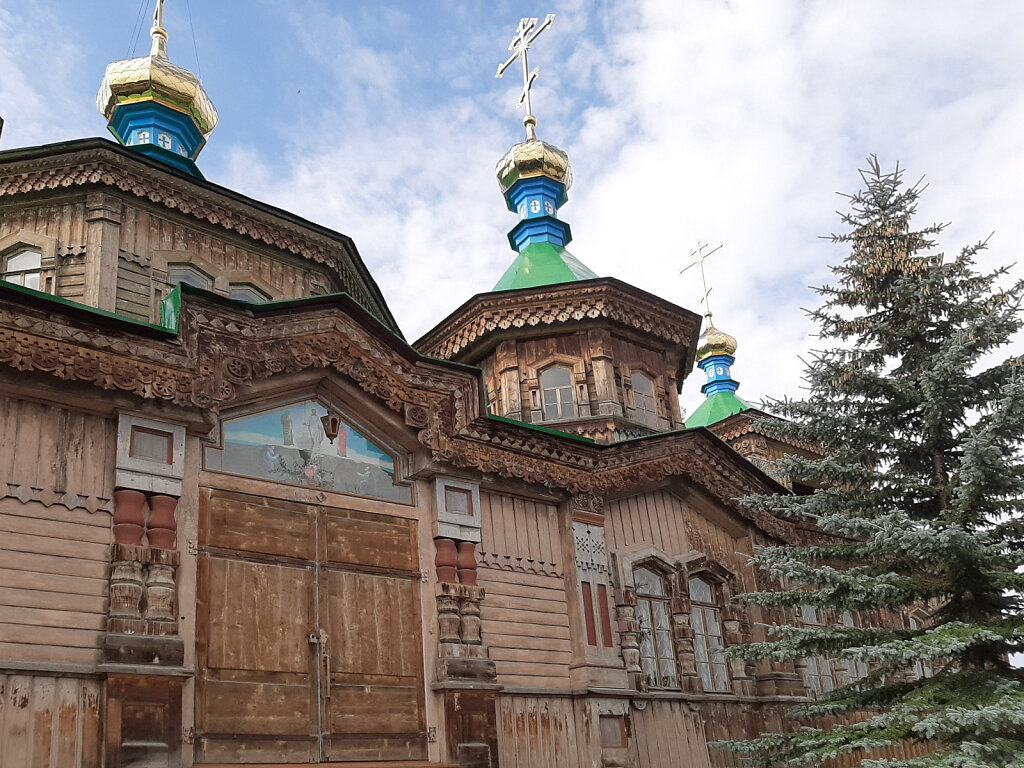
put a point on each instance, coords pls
(24, 260)
(808, 614)
(698, 621)
(669, 674)
(189, 276)
(705, 677)
(700, 649)
(556, 376)
(32, 280)
(550, 410)
(648, 582)
(248, 293)
(721, 677)
(660, 614)
(711, 621)
(650, 669)
(701, 591)
(642, 384)
(665, 650)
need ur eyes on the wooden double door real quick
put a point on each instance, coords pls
(309, 644)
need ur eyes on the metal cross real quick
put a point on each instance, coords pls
(526, 33)
(697, 258)
(158, 14)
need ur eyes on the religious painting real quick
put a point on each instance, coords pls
(287, 444)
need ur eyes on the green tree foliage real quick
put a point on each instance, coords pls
(921, 493)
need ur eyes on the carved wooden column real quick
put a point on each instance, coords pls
(629, 632)
(103, 235)
(682, 637)
(506, 369)
(445, 560)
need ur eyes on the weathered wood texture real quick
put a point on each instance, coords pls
(668, 734)
(525, 620)
(134, 290)
(526, 626)
(53, 559)
(271, 575)
(538, 732)
(666, 522)
(519, 535)
(49, 722)
(56, 449)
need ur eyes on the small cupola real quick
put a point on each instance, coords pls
(534, 177)
(155, 107)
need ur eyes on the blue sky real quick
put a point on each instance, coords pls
(730, 122)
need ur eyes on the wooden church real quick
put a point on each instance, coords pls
(243, 521)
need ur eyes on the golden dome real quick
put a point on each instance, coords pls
(153, 77)
(715, 342)
(533, 158)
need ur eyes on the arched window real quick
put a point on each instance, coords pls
(646, 410)
(556, 391)
(163, 140)
(707, 637)
(657, 651)
(819, 676)
(23, 267)
(858, 669)
(186, 273)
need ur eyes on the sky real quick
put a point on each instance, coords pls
(723, 121)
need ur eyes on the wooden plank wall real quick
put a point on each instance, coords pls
(143, 232)
(134, 291)
(65, 222)
(524, 613)
(537, 732)
(48, 722)
(655, 518)
(53, 559)
(57, 449)
(668, 734)
(666, 522)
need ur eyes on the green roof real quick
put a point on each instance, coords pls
(718, 406)
(543, 263)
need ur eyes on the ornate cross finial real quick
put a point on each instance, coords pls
(526, 33)
(697, 258)
(158, 33)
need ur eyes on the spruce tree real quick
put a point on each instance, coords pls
(919, 500)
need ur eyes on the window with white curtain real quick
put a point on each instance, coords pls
(707, 637)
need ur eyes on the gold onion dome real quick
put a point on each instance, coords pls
(715, 342)
(154, 78)
(533, 157)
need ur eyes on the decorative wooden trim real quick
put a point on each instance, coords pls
(569, 302)
(104, 166)
(221, 350)
(49, 498)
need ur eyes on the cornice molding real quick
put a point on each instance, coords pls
(103, 166)
(565, 303)
(222, 352)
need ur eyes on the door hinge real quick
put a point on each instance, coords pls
(432, 735)
(188, 734)
(192, 547)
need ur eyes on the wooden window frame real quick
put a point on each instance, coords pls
(706, 609)
(660, 655)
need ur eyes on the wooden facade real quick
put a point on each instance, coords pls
(434, 586)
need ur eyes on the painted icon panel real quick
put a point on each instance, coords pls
(288, 444)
